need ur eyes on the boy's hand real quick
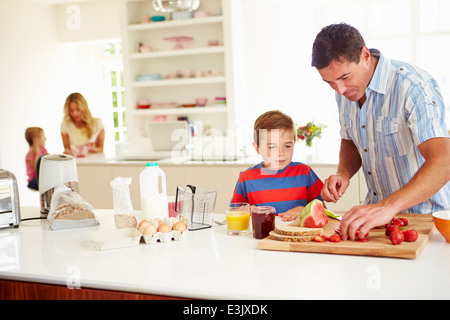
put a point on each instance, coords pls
(291, 214)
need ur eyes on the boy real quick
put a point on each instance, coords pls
(277, 181)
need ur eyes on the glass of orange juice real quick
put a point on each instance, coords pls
(238, 218)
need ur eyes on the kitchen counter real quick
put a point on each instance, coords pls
(209, 264)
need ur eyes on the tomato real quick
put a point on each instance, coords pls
(411, 235)
(397, 237)
(362, 240)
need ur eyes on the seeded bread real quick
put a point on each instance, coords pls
(281, 237)
(73, 212)
(297, 231)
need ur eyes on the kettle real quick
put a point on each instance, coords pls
(55, 170)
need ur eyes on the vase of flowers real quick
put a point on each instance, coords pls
(309, 132)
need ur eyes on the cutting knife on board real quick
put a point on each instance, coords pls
(333, 215)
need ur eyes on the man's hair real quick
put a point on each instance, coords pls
(272, 120)
(337, 42)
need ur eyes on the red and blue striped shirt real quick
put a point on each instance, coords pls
(294, 186)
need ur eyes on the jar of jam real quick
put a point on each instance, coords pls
(263, 221)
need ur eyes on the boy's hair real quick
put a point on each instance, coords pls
(337, 42)
(273, 120)
(31, 133)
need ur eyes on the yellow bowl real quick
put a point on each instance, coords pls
(442, 223)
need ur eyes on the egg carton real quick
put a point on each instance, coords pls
(165, 237)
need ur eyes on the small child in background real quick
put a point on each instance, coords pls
(35, 137)
(277, 181)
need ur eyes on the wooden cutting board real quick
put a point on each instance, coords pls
(378, 245)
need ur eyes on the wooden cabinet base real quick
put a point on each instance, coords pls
(17, 290)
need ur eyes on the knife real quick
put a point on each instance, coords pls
(333, 215)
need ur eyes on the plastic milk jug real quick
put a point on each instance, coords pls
(154, 204)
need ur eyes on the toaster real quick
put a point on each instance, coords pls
(9, 200)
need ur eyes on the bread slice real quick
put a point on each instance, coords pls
(281, 237)
(297, 231)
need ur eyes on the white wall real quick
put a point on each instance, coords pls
(37, 74)
(272, 43)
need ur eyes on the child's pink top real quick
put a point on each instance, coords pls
(31, 171)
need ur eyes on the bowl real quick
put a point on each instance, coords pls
(158, 18)
(442, 222)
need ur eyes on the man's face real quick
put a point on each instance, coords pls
(349, 79)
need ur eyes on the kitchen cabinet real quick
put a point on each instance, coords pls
(201, 69)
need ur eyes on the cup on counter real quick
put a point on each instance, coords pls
(238, 218)
(263, 221)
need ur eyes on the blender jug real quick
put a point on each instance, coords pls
(197, 205)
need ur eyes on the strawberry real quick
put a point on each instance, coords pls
(334, 238)
(397, 237)
(319, 238)
(390, 228)
(411, 235)
(397, 222)
(405, 221)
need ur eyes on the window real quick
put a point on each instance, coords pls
(114, 82)
(415, 31)
(275, 54)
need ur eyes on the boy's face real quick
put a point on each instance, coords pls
(276, 148)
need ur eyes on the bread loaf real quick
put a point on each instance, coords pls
(73, 212)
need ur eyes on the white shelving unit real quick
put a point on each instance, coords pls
(203, 70)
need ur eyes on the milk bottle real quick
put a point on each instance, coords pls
(154, 204)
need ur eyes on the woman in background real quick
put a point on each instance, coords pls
(80, 132)
(35, 137)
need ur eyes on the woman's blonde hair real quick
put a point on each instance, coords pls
(273, 120)
(86, 113)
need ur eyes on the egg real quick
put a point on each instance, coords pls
(142, 225)
(149, 230)
(164, 228)
(179, 226)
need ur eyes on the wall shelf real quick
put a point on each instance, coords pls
(174, 23)
(175, 111)
(211, 66)
(178, 82)
(177, 53)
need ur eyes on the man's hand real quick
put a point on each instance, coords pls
(334, 188)
(363, 218)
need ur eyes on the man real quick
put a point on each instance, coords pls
(392, 119)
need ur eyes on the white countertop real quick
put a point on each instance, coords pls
(209, 264)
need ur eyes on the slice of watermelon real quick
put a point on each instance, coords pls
(313, 215)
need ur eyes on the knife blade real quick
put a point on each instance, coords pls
(333, 215)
